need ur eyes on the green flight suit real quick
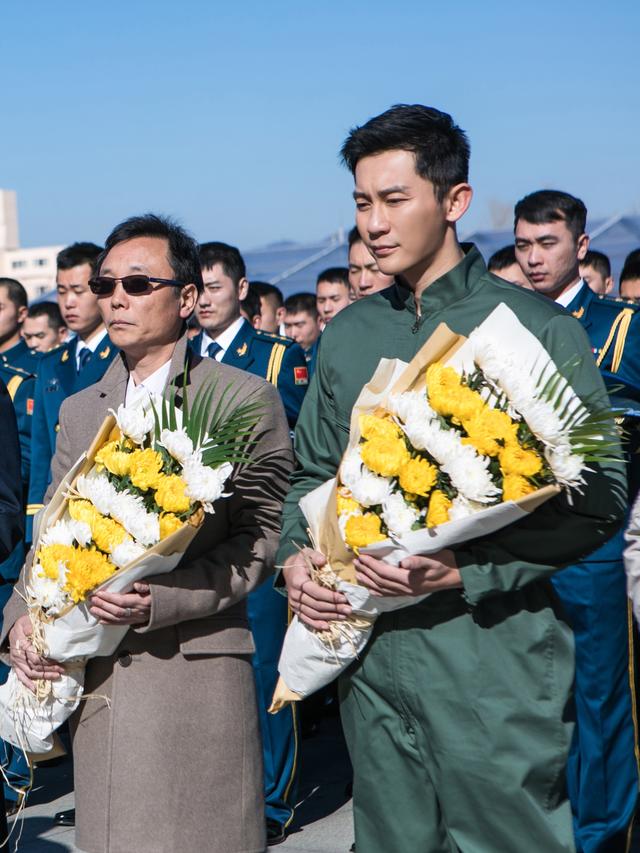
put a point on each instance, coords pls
(458, 714)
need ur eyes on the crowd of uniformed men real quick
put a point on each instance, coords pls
(50, 351)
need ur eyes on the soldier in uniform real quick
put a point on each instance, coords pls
(302, 323)
(20, 386)
(13, 311)
(230, 339)
(71, 367)
(550, 243)
(455, 714)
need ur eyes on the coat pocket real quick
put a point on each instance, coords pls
(215, 637)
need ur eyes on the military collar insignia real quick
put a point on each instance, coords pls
(65, 356)
(577, 314)
(242, 350)
(105, 352)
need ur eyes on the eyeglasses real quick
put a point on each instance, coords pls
(134, 285)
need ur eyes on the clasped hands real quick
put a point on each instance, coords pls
(110, 608)
(316, 606)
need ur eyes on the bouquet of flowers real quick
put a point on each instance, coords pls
(129, 508)
(466, 439)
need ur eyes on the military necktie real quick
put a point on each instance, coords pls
(213, 348)
(83, 358)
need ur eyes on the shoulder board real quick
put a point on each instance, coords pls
(617, 302)
(16, 371)
(279, 339)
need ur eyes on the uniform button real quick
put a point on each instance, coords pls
(124, 659)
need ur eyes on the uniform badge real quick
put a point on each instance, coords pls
(105, 352)
(577, 314)
(57, 427)
(242, 350)
(30, 405)
(65, 356)
(301, 375)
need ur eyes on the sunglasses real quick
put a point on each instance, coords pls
(134, 285)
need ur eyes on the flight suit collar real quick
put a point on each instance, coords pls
(454, 285)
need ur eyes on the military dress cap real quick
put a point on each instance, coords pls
(277, 359)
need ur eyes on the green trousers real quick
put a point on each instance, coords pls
(457, 724)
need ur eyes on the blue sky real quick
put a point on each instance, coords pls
(230, 116)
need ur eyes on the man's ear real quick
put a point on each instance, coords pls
(188, 300)
(583, 246)
(457, 201)
(22, 314)
(608, 284)
(280, 313)
(243, 288)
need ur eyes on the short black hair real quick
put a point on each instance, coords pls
(227, 256)
(50, 310)
(335, 275)
(78, 254)
(182, 251)
(263, 288)
(502, 259)
(15, 292)
(251, 304)
(441, 148)
(354, 237)
(301, 302)
(552, 206)
(631, 268)
(597, 261)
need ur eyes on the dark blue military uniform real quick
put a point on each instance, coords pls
(602, 770)
(58, 378)
(20, 385)
(281, 362)
(311, 356)
(22, 357)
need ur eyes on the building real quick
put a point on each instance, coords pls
(35, 268)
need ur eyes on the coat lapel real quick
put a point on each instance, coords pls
(239, 352)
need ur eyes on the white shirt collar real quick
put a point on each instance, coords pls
(92, 344)
(153, 384)
(569, 295)
(225, 339)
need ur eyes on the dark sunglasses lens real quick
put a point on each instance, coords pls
(101, 285)
(135, 284)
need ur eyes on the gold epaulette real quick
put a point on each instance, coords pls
(32, 509)
(275, 363)
(13, 384)
(619, 330)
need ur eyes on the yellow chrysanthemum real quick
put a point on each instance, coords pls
(447, 395)
(145, 468)
(51, 555)
(87, 569)
(116, 461)
(385, 456)
(514, 487)
(372, 426)
(169, 523)
(170, 494)
(345, 504)
(363, 530)
(107, 533)
(489, 430)
(438, 511)
(417, 477)
(82, 510)
(517, 460)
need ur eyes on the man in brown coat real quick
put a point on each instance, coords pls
(173, 760)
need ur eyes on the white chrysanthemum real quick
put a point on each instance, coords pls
(205, 484)
(411, 406)
(366, 487)
(136, 421)
(66, 531)
(126, 552)
(543, 421)
(470, 475)
(47, 592)
(398, 515)
(130, 511)
(566, 467)
(463, 508)
(97, 489)
(489, 358)
(177, 443)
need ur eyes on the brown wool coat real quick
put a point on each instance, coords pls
(175, 763)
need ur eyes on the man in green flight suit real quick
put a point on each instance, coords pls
(456, 715)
